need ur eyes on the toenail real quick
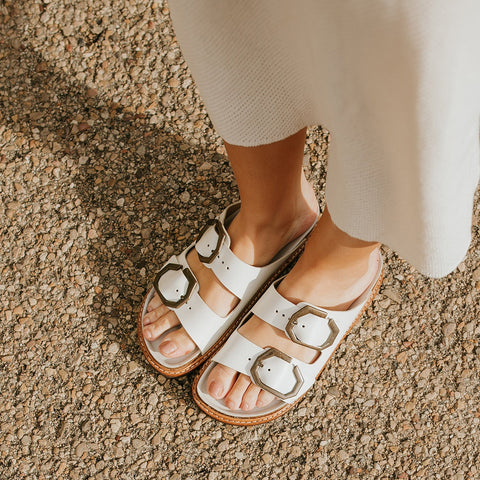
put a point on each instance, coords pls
(147, 334)
(246, 406)
(230, 404)
(167, 348)
(216, 389)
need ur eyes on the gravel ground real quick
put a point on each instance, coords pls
(108, 164)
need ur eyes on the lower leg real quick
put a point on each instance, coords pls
(278, 204)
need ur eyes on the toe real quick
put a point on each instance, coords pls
(155, 302)
(235, 396)
(176, 344)
(220, 381)
(153, 330)
(250, 397)
(264, 398)
(155, 314)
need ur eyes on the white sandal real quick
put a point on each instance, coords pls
(178, 288)
(285, 377)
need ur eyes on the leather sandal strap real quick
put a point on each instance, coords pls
(202, 324)
(175, 282)
(276, 372)
(303, 323)
(213, 248)
(285, 377)
(177, 288)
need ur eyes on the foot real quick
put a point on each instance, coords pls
(254, 244)
(320, 278)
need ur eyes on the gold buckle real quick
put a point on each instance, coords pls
(192, 281)
(257, 364)
(294, 321)
(220, 230)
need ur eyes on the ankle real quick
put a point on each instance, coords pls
(282, 224)
(256, 239)
(292, 216)
(328, 285)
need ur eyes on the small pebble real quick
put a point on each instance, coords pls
(113, 348)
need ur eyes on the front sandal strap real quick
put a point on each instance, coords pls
(178, 288)
(285, 377)
(213, 249)
(304, 324)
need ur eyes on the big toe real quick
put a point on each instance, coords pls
(220, 380)
(176, 344)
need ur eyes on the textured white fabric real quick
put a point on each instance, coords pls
(397, 83)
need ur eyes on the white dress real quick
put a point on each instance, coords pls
(396, 82)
